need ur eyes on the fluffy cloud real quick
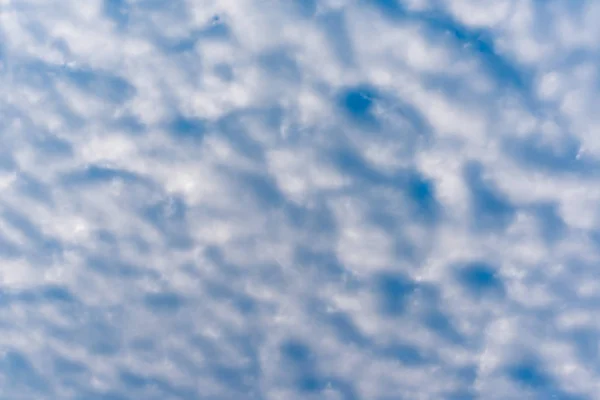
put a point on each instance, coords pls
(218, 199)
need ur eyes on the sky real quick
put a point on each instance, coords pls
(299, 199)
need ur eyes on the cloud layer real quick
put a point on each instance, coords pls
(300, 199)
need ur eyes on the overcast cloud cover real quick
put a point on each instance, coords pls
(299, 199)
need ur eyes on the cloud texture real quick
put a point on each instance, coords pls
(299, 199)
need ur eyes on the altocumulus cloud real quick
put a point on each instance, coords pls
(299, 199)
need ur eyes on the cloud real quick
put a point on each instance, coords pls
(298, 199)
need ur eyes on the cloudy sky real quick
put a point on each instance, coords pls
(299, 199)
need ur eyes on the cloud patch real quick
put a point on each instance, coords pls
(292, 200)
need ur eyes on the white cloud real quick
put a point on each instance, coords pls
(291, 200)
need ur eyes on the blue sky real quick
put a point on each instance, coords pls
(299, 199)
